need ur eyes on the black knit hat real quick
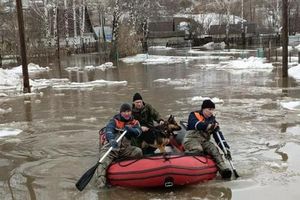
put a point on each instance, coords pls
(137, 96)
(207, 103)
(125, 107)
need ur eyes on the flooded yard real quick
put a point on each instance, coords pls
(49, 139)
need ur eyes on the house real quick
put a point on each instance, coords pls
(166, 31)
(234, 30)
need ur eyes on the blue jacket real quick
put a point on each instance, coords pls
(201, 125)
(118, 124)
(195, 124)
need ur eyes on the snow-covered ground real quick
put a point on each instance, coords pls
(295, 72)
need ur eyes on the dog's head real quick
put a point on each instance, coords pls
(170, 126)
(161, 132)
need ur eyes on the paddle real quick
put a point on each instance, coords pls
(225, 151)
(87, 176)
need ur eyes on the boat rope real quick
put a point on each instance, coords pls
(206, 159)
(130, 163)
(165, 156)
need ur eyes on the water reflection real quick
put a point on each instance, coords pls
(28, 111)
(285, 83)
(188, 192)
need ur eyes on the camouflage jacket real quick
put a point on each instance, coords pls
(146, 116)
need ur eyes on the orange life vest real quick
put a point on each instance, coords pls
(199, 117)
(121, 125)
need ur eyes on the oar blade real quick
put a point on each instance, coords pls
(86, 177)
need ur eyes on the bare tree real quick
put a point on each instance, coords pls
(272, 14)
(115, 30)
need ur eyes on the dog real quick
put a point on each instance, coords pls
(159, 136)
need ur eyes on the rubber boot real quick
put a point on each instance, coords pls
(226, 173)
(212, 150)
(101, 176)
(224, 170)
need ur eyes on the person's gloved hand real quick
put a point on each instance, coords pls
(213, 119)
(131, 132)
(129, 129)
(210, 127)
(217, 127)
(113, 143)
(228, 155)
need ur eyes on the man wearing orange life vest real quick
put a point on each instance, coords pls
(119, 123)
(201, 125)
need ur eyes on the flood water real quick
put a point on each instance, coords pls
(59, 140)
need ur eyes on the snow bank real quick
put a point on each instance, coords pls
(32, 69)
(251, 64)
(295, 72)
(11, 80)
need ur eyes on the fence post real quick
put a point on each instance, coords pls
(260, 53)
(270, 47)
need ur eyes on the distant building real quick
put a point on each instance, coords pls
(234, 30)
(166, 31)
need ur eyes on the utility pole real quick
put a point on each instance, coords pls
(57, 35)
(26, 86)
(243, 27)
(285, 39)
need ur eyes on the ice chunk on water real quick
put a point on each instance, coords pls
(9, 132)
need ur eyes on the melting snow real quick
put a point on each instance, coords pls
(11, 79)
(9, 132)
(292, 105)
(4, 111)
(103, 67)
(246, 65)
(295, 72)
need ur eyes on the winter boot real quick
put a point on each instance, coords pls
(226, 173)
(224, 170)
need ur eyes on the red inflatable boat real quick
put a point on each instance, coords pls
(162, 171)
